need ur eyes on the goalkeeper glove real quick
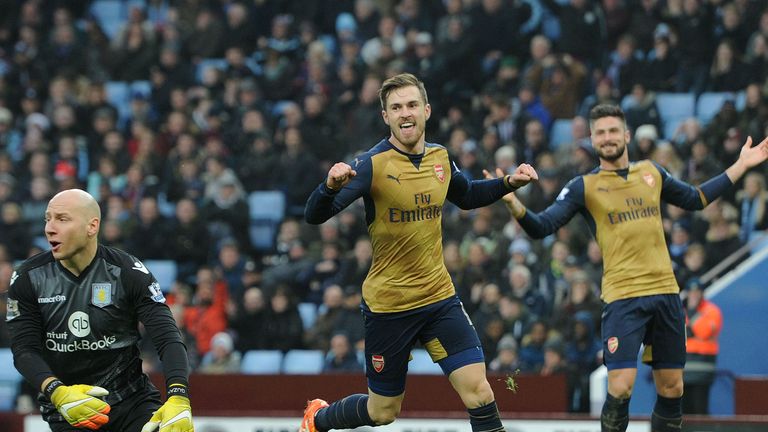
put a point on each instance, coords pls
(175, 415)
(79, 404)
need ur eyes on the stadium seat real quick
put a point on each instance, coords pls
(266, 209)
(709, 104)
(422, 363)
(670, 126)
(261, 362)
(560, 134)
(9, 380)
(303, 362)
(674, 106)
(205, 64)
(119, 95)
(164, 271)
(308, 312)
(142, 87)
(111, 14)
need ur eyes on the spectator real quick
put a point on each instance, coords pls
(207, 315)
(702, 326)
(222, 358)
(284, 330)
(341, 357)
(247, 318)
(148, 237)
(506, 360)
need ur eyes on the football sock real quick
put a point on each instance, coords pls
(615, 415)
(667, 414)
(485, 418)
(347, 413)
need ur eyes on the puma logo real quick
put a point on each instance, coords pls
(602, 189)
(397, 179)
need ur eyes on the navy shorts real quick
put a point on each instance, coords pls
(656, 321)
(443, 328)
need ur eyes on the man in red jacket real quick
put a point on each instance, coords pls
(703, 324)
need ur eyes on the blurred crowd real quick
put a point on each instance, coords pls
(293, 89)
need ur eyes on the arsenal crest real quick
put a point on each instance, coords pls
(101, 294)
(648, 177)
(440, 173)
(613, 344)
(378, 362)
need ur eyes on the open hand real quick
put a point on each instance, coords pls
(752, 156)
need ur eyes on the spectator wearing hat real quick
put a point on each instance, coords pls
(507, 359)
(222, 358)
(644, 144)
(703, 323)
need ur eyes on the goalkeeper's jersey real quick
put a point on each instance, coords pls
(404, 196)
(623, 211)
(86, 328)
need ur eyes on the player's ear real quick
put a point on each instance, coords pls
(93, 227)
(428, 110)
(385, 117)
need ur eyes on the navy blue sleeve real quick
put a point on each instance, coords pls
(470, 194)
(689, 197)
(569, 202)
(324, 203)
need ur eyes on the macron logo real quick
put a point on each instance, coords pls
(140, 267)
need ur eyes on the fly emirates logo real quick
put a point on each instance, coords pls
(424, 210)
(79, 326)
(636, 209)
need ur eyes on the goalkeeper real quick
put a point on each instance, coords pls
(73, 315)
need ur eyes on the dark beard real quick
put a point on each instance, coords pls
(615, 157)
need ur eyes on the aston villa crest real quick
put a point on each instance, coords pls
(101, 294)
(440, 173)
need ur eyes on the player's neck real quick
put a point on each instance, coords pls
(415, 149)
(615, 165)
(78, 262)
